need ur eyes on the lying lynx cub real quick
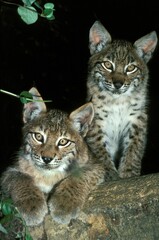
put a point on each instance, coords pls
(54, 170)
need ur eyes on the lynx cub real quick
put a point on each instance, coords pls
(54, 169)
(117, 85)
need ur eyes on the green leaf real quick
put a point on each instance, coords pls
(48, 12)
(2, 229)
(25, 96)
(6, 208)
(50, 17)
(28, 2)
(29, 15)
(38, 5)
(49, 6)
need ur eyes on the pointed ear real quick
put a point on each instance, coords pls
(82, 118)
(99, 37)
(146, 45)
(33, 109)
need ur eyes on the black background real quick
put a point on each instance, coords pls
(53, 56)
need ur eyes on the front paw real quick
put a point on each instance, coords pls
(61, 213)
(32, 210)
(65, 203)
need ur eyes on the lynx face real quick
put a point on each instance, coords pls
(49, 144)
(52, 139)
(119, 66)
(116, 71)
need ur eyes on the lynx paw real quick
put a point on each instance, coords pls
(33, 210)
(60, 213)
(64, 205)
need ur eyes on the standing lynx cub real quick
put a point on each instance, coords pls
(54, 168)
(117, 86)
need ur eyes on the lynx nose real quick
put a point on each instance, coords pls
(118, 85)
(47, 159)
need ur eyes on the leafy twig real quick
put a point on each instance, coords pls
(29, 14)
(24, 96)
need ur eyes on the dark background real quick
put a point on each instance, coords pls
(53, 56)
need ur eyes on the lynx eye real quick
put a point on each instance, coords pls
(108, 66)
(131, 68)
(38, 137)
(63, 142)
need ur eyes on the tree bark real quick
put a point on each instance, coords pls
(127, 209)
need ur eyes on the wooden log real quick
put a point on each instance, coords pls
(127, 209)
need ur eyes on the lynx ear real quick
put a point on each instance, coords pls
(82, 118)
(98, 37)
(33, 109)
(146, 45)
